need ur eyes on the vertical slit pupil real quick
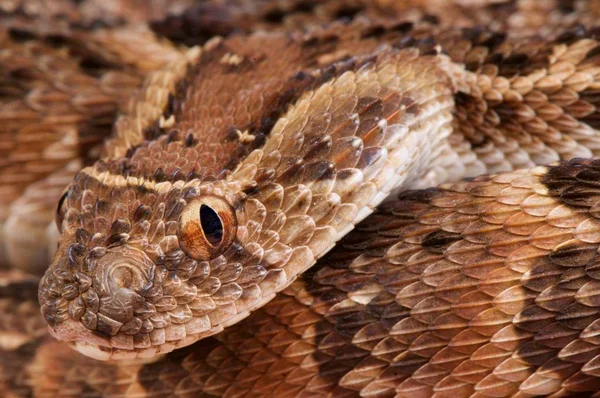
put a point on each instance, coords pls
(211, 225)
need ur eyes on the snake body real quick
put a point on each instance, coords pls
(197, 251)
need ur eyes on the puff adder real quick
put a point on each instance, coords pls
(196, 182)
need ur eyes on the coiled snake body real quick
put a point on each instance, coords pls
(195, 245)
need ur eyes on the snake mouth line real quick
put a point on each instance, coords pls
(104, 348)
(82, 339)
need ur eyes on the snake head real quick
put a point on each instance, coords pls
(140, 265)
(150, 260)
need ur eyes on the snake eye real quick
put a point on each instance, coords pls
(61, 210)
(207, 227)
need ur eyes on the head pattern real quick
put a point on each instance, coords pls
(141, 263)
(276, 147)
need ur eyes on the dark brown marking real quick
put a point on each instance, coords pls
(572, 35)
(374, 32)
(326, 42)
(200, 22)
(197, 24)
(172, 364)
(296, 86)
(173, 107)
(430, 18)
(574, 255)
(574, 182)
(437, 242)
(21, 290)
(348, 12)
(593, 52)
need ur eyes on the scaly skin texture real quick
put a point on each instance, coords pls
(295, 186)
(480, 288)
(240, 163)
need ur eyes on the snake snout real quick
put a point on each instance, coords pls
(99, 301)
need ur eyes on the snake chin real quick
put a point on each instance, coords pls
(108, 348)
(102, 353)
(82, 339)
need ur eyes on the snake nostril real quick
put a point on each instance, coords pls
(123, 276)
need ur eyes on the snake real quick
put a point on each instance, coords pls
(299, 198)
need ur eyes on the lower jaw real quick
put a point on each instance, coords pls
(102, 348)
(102, 353)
